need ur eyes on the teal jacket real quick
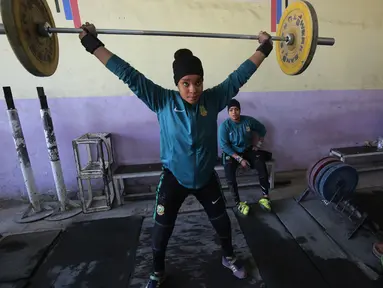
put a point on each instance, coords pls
(188, 133)
(236, 137)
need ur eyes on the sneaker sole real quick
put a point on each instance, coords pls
(241, 214)
(228, 267)
(265, 209)
(161, 282)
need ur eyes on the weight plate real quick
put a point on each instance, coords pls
(38, 54)
(320, 175)
(300, 20)
(336, 176)
(310, 169)
(317, 168)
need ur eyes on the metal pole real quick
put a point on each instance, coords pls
(35, 211)
(326, 41)
(50, 139)
(21, 149)
(65, 208)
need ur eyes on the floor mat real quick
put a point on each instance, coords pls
(281, 261)
(21, 253)
(16, 284)
(193, 255)
(97, 254)
(337, 227)
(334, 265)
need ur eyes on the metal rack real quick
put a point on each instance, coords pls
(97, 171)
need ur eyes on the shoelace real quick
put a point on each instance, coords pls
(232, 266)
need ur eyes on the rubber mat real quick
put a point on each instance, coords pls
(16, 284)
(337, 227)
(97, 254)
(193, 256)
(334, 265)
(281, 261)
(21, 253)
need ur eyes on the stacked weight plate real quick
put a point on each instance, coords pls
(332, 180)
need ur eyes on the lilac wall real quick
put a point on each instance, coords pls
(302, 127)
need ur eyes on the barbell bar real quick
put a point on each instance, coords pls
(31, 31)
(325, 41)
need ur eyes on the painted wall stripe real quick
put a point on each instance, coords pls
(57, 4)
(273, 15)
(67, 10)
(75, 13)
(279, 10)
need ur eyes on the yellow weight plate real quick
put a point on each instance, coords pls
(300, 20)
(38, 54)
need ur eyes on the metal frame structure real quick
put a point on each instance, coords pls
(96, 168)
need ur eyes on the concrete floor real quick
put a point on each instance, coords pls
(9, 209)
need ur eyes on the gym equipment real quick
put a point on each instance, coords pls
(319, 176)
(334, 182)
(30, 28)
(66, 208)
(95, 199)
(338, 182)
(363, 158)
(35, 211)
(312, 173)
(300, 20)
(331, 180)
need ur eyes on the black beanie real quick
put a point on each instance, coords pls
(233, 103)
(185, 63)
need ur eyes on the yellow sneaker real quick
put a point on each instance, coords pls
(265, 204)
(243, 208)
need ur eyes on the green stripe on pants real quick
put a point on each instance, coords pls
(157, 191)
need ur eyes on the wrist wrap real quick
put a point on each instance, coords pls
(91, 43)
(265, 48)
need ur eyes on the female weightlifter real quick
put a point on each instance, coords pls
(188, 144)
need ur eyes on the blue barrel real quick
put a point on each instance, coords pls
(340, 177)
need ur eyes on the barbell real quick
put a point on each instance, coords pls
(30, 28)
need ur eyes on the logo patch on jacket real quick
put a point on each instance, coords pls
(202, 110)
(248, 129)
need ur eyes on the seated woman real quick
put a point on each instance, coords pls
(241, 138)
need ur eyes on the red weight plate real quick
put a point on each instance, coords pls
(317, 167)
(308, 173)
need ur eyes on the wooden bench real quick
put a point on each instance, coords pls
(154, 170)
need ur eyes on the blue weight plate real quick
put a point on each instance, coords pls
(320, 175)
(313, 171)
(337, 175)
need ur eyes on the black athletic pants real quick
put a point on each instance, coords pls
(257, 160)
(170, 196)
